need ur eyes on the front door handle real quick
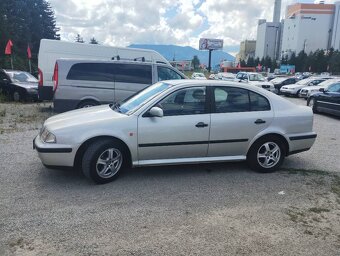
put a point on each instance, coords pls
(201, 125)
(259, 121)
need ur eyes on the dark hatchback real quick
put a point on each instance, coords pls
(278, 82)
(327, 100)
(18, 85)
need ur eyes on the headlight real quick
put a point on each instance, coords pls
(47, 137)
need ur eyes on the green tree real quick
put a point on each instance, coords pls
(25, 22)
(79, 39)
(250, 62)
(196, 62)
(243, 63)
(93, 41)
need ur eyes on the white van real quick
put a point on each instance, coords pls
(51, 50)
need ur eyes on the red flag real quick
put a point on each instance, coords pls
(8, 49)
(239, 65)
(29, 54)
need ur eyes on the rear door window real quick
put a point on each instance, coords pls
(133, 73)
(91, 72)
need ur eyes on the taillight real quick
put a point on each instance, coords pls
(55, 77)
(40, 76)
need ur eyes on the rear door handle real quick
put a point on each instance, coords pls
(259, 121)
(201, 125)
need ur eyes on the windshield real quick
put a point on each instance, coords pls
(327, 82)
(22, 77)
(305, 81)
(142, 97)
(256, 77)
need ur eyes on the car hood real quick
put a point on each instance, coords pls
(81, 117)
(27, 85)
(314, 87)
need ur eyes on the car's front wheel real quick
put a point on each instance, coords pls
(266, 154)
(311, 102)
(103, 161)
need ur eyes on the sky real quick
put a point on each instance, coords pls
(180, 22)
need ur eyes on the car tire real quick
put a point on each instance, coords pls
(87, 104)
(312, 102)
(104, 160)
(266, 154)
(297, 93)
(17, 96)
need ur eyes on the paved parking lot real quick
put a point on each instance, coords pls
(210, 209)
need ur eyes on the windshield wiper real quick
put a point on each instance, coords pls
(115, 107)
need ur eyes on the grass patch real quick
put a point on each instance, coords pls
(335, 186)
(306, 172)
(318, 210)
(295, 215)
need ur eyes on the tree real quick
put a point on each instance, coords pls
(250, 62)
(196, 62)
(79, 39)
(243, 63)
(93, 41)
(25, 22)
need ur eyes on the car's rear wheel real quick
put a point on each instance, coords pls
(266, 154)
(87, 104)
(312, 102)
(103, 161)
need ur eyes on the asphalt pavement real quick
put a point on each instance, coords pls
(208, 209)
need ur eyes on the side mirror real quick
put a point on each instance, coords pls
(156, 111)
(322, 89)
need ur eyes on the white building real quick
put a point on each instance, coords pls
(268, 39)
(269, 35)
(309, 27)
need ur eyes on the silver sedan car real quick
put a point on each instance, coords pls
(178, 122)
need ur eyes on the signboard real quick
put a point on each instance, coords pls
(210, 44)
(287, 69)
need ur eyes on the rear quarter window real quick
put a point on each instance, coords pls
(258, 102)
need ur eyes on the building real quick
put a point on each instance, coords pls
(247, 49)
(268, 39)
(309, 27)
(269, 35)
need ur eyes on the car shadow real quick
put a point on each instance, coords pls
(67, 176)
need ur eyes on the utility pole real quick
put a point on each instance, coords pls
(209, 66)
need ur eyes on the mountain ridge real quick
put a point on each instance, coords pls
(175, 52)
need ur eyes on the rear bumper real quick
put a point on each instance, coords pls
(54, 154)
(45, 92)
(64, 105)
(301, 142)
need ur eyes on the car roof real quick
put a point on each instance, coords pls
(185, 82)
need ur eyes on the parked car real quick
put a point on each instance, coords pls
(278, 82)
(87, 83)
(327, 100)
(51, 50)
(306, 92)
(294, 89)
(198, 76)
(178, 122)
(226, 76)
(212, 76)
(18, 85)
(254, 79)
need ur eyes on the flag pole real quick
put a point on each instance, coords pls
(29, 63)
(11, 62)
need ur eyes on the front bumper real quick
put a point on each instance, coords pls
(287, 91)
(54, 154)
